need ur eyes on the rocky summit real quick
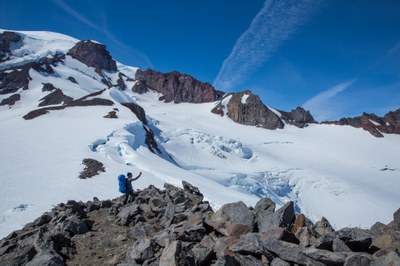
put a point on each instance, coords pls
(175, 226)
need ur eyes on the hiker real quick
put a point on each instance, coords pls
(125, 185)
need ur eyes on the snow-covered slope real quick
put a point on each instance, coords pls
(342, 173)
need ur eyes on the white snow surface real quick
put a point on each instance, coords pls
(339, 172)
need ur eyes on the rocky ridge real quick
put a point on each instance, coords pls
(175, 87)
(175, 226)
(389, 123)
(247, 108)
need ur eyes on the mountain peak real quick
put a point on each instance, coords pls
(93, 54)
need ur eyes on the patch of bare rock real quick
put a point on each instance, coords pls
(175, 226)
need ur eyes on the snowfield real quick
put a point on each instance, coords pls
(341, 173)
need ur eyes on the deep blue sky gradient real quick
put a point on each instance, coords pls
(342, 42)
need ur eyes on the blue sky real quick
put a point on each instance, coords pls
(336, 58)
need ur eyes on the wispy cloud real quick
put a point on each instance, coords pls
(321, 105)
(274, 23)
(72, 12)
(121, 46)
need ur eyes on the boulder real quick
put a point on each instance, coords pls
(284, 217)
(323, 227)
(174, 255)
(356, 239)
(326, 257)
(391, 259)
(358, 260)
(232, 219)
(142, 250)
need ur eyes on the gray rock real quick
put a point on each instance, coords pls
(247, 260)
(232, 219)
(249, 244)
(142, 250)
(174, 255)
(284, 217)
(323, 227)
(358, 259)
(391, 259)
(127, 214)
(264, 207)
(75, 226)
(356, 239)
(289, 252)
(326, 257)
(279, 262)
(339, 246)
(306, 236)
(202, 254)
(46, 260)
(279, 234)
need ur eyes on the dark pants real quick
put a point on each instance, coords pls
(127, 194)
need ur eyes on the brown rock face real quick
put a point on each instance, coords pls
(389, 124)
(253, 112)
(5, 39)
(175, 86)
(93, 55)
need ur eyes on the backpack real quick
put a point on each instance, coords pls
(122, 183)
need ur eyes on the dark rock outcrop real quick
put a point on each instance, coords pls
(175, 87)
(93, 55)
(389, 124)
(247, 108)
(176, 227)
(92, 168)
(13, 80)
(298, 117)
(11, 100)
(88, 100)
(54, 98)
(6, 38)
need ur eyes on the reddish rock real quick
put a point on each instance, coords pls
(389, 124)
(252, 112)
(175, 87)
(93, 55)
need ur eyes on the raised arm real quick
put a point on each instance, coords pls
(137, 177)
